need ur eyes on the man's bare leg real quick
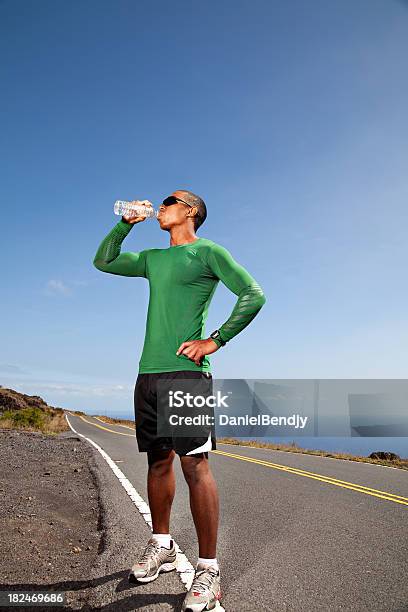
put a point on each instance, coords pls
(203, 502)
(159, 555)
(161, 487)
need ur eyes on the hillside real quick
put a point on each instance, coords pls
(29, 412)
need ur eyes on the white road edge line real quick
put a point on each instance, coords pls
(183, 565)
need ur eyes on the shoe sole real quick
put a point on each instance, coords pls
(166, 567)
(217, 608)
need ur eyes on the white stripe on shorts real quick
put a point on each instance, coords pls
(204, 448)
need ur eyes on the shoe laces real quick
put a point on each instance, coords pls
(152, 548)
(203, 580)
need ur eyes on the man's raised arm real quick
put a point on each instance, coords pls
(108, 257)
(250, 295)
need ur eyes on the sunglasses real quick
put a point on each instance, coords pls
(173, 200)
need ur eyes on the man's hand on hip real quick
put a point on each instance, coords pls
(197, 349)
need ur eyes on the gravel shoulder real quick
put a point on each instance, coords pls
(67, 525)
(50, 520)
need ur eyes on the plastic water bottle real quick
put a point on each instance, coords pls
(138, 209)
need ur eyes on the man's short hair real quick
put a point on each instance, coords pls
(195, 200)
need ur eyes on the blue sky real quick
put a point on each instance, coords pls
(288, 118)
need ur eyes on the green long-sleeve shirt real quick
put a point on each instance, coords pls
(182, 280)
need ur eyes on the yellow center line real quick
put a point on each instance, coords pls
(398, 499)
(117, 424)
(119, 433)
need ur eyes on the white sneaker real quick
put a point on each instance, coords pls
(154, 560)
(204, 593)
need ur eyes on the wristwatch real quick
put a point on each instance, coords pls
(216, 336)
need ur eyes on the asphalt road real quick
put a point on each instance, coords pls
(297, 532)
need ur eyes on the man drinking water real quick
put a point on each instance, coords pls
(182, 280)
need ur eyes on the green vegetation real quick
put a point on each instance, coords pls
(29, 417)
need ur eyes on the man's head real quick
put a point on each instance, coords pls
(182, 207)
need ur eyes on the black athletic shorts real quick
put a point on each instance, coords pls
(145, 404)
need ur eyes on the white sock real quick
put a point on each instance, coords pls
(163, 539)
(207, 562)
